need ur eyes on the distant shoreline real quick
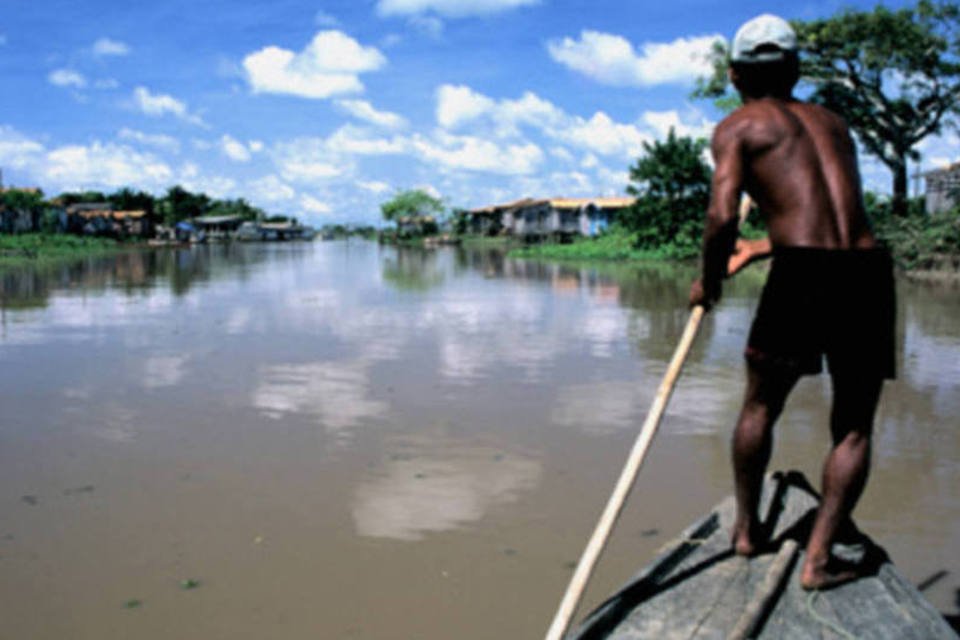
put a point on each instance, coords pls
(37, 249)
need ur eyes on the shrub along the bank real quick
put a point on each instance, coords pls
(40, 248)
(672, 185)
(928, 242)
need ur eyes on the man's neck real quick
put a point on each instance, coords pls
(784, 97)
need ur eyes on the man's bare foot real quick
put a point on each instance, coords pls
(745, 539)
(820, 576)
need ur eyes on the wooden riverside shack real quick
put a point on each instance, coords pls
(99, 218)
(538, 219)
(943, 188)
(697, 588)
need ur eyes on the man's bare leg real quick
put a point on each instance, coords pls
(767, 389)
(844, 476)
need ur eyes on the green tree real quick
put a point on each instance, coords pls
(22, 199)
(127, 199)
(75, 197)
(179, 204)
(893, 74)
(672, 184)
(238, 207)
(411, 203)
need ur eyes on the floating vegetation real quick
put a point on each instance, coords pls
(189, 583)
(89, 488)
(133, 603)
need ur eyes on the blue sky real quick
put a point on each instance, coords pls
(324, 109)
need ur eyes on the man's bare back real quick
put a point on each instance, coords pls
(829, 294)
(800, 167)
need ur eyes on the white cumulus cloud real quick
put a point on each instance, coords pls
(430, 26)
(107, 47)
(234, 149)
(324, 19)
(17, 150)
(374, 186)
(363, 110)
(601, 134)
(328, 66)
(308, 160)
(160, 104)
(193, 179)
(449, 8)
(663, 121)
(159, 140)
(67, 78)
(313, 205)
(472, 153)
(351, 140)
(611, 59)
(270, 189)
(457, 104)
(99, 165)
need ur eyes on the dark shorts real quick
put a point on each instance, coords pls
(827, 302)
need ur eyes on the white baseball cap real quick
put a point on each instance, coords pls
(766, 38)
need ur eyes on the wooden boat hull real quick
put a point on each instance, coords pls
(697, 588)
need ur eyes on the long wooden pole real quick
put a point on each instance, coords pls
(618, 498)
(746, 626)
(622, 489)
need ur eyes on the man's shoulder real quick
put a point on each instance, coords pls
(823, 114)
(743, 123)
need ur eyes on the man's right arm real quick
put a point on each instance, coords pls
(720, 230)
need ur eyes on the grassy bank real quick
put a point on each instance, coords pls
(32, 249)
(919, 243)
(487, 242)
(924, 243)
(610, 247)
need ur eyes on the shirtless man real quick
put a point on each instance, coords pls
(829, 292)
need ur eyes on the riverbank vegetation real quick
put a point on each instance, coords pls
(416, 216)
(37, 230)
(895, 77)
(30, 249)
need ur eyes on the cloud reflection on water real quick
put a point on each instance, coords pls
(336, 393)
(601, 407)
(440, 486)
(164, 371)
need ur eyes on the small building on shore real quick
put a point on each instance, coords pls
(943, 188)
(533, 219)
(100, 219)
(19, 219)
(217, 227)
(289, 230)
(416, 225)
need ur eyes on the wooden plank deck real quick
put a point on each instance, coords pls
(697, 589)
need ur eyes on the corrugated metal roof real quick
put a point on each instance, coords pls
(79, 207)
(107, 213)
(602, 203)
(942, 170)
(216, 219)
(557, 203)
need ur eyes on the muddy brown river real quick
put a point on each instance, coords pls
(341, 440)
